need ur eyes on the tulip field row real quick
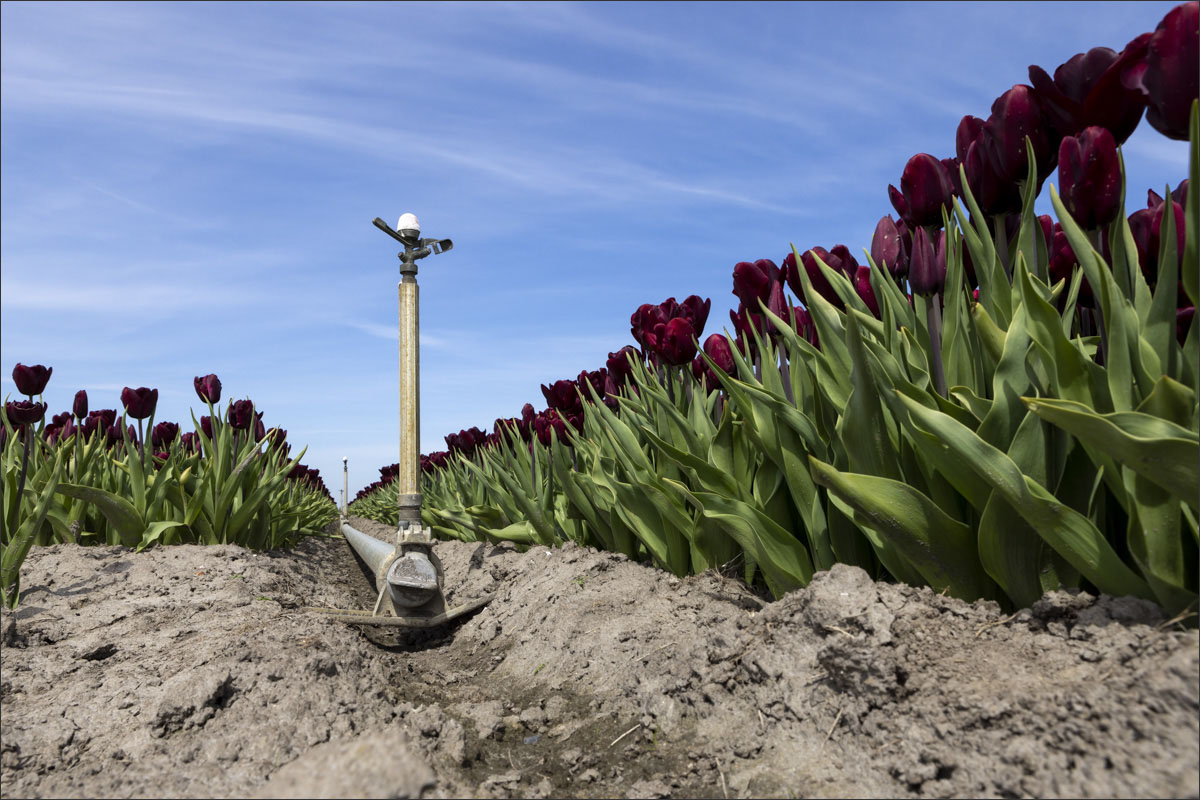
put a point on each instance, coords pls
(994, 405)
(91, 477)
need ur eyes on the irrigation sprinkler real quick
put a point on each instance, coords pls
(408, 575)
(345, 485)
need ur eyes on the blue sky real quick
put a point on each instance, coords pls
(188, 188)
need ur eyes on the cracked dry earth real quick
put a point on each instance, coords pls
(195, 672)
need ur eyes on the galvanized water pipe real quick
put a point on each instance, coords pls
(409, 476)
(407, 573)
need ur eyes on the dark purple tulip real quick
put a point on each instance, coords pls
(1047, 224)
(951, 166)
(547, 421)
(260, 430)
(562, 395)
(717, 348)
(59, 419)
(642, 324)
(678, 344)
(206, 427)
(927, 271)
(240, 414)
(1015, 115)
(107, 416)
(50, 434)
(926, 187)
(695, 310)
(1179, 195)
(1167, 75)
(862, 285)
(887, 248)
(1090, 172)
(24, 412)
(968, 131)
(618, 365)
(1087, 90)
(819, 283)
(745, 321)
(600, 381)
(163, 434)
(1156, 232)
(993, 194)
(278, 438)
(140, 402)
(753, 282)
(843, 260)
(190, 442)
(80, 408)
(208, 388)
(31, 380)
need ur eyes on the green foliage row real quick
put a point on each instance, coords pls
(1055, 459)
(235, 490)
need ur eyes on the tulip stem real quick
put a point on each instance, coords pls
(785, 372)
(1001, 236)
(21, 483)
(933, 315)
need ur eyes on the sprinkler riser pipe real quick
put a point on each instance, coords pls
(408, 478)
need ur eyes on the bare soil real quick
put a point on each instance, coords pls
(196, 672)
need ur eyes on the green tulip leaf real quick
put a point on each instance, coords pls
(1159, 450)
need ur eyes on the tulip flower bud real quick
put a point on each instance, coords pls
(899, 203)
(678, 346)
(80, 408)
(1166, 75)
(24, 412)
(717, 348)
(1090, 172)
(31, 380)
(208, 388)
(994, 194)
(562, 396)
(927, 188)
(1155, 241)
(887, 248)
(619, 366)
(862, 285)
(927, 272)
(163, 434)
(1087, 90)
(695, 309)
(809, 260)
(240, 414)
(752, 282)
(139, 403)
(1015, 115)
(968, 131)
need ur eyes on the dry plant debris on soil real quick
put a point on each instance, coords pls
(192, 671)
